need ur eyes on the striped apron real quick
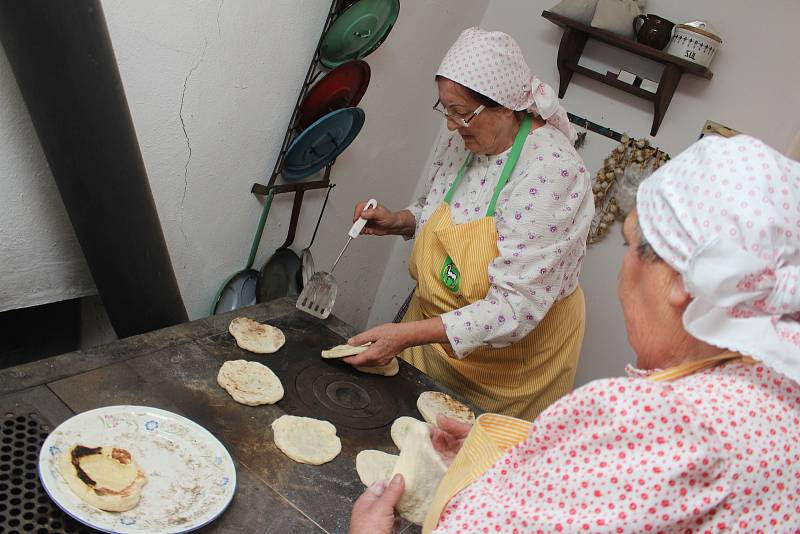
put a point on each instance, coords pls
(450, 264)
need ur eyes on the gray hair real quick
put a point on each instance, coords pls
(644, 249)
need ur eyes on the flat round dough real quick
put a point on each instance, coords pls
(256, 337)
(422, 469)
(250, 383)
(343, 351)
(390, 369)
(401, 428)
(432, 403)
(306, 440)
(373, 466)
(118, 478)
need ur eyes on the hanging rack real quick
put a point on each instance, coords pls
(594, 127)
(293, 129)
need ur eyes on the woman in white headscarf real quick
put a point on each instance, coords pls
(498, 315)
(705, 435)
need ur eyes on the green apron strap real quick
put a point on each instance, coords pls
(457, 181)
(508, 168)
(449, 274)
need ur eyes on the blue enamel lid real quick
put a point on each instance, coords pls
(322, 142)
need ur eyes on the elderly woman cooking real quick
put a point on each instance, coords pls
(705, 435)
(497, 314)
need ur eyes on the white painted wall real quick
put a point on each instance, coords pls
(228, 73)
(220, 79)
(40, 260)
(754, 90)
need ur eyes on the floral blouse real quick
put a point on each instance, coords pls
(717, 451)
(542, 217)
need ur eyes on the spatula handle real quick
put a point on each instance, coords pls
(355, 231)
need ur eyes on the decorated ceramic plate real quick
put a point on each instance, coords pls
(191, 477)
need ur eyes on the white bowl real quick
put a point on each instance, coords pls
(694, 44)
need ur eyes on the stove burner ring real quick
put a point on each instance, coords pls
(344, 399)
(345, 394)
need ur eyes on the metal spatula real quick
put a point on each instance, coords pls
(319, 294)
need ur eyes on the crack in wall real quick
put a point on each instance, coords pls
(185, 132)
(219, 12)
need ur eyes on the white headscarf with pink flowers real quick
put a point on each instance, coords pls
(725, 214)
(492, 64)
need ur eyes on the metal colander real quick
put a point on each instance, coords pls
(24, 505)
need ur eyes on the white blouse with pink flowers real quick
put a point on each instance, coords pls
(717, 451)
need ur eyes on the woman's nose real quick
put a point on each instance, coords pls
(452, 124)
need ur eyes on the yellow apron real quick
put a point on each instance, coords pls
(450, 264)
(494, 435)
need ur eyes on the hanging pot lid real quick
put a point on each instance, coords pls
(322, 142)
(358, 31)
(342, 87)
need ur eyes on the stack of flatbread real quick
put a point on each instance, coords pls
(107, 478)
(255, 337)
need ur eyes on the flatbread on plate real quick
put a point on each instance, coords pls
(107, 478)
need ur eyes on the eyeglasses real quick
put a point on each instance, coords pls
(463, 119)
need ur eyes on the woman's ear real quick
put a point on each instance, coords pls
(677, 296)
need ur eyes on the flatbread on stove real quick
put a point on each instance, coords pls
(250, 383)
(255, 337)
(390, 369)
(306, 440)
(373, 466)
(107, 478)
(432, 403)
(343, 351)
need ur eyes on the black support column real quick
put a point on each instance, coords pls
(61, 55)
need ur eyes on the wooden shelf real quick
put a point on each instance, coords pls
(613, 82)
(571, 48)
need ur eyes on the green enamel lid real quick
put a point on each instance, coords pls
(358, 31)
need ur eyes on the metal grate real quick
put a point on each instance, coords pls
(24, 505)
